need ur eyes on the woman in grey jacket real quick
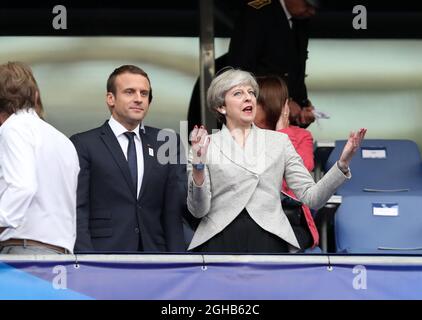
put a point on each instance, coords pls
(235, 175)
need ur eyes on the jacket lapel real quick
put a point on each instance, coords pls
(149, 153)
(254, 150)
(248, 157)
(113, 146)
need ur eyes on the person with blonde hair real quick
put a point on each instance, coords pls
(38, 171)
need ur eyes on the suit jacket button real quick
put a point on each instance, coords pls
(139, 207)
(136, 230)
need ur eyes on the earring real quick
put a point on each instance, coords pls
(223, 111)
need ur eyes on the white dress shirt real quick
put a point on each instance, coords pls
(38, 179)
(119, 131)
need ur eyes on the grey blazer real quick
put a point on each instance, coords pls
(251, 178)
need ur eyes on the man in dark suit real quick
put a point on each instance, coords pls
(271, 38)
(132, 185)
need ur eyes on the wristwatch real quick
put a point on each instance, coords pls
(198, 166)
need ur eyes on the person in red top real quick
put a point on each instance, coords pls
(301, 138)
(275, 111)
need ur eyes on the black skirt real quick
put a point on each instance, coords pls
(244, 235)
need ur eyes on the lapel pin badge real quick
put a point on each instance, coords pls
(151, 151)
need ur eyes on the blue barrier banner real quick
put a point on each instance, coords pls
(226, 278)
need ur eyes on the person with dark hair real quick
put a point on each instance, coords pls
(271, 38)
(273, 94)
(38, 171)
(235, 175)
(273, 113)
(131, 196)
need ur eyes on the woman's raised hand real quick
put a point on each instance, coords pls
(352, 145)
(200, 140)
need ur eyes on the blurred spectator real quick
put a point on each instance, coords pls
(273, 113)
(38, 172)
(271, 37)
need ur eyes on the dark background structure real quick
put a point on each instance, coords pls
(401, 19)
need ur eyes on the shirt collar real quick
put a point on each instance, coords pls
(19, 112)
(288, 15)
(118, 129)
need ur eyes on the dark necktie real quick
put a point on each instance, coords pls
(131, 158)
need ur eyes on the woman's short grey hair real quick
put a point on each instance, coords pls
(223, 83)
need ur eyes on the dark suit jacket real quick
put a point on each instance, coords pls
(263, 43)
(110, 217)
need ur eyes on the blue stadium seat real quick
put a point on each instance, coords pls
(359, 230)
(381, 209)
(400, 169)
(315, 250)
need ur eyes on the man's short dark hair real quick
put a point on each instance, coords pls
(111, 82)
